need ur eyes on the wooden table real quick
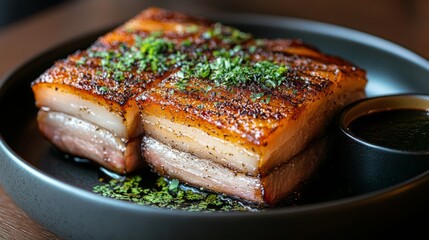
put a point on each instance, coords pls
(403, 22)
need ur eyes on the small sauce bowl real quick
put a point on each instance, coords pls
(382, 141)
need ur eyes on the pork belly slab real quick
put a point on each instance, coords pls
(246, 132)
(233, 144)
(209, 104)
(97, 86)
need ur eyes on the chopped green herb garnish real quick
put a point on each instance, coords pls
(186, 43)
(252, 49)
(149, 54)
(192, 29)
(173, 186)
(226, 34)
(118, 76)
(266, 100)
(261, 97)
(236, 71)
(208, 88)
(103, 89)
(168, 194)
(256, 96)
(81, 61)
(229, 66)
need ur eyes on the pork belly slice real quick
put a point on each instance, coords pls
(248, 140)
(81, 138)
(229, 125)
(263, 190)
(98, 85)
(76, 92)
(99, 89)
(249, 136)
(229, 143)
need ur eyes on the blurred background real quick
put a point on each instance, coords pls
(28, 27)
(14, 10)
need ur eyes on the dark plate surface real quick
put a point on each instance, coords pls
(56, 191)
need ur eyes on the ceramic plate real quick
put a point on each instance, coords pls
(56, 191)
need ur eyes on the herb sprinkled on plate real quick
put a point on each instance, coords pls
(170, 194)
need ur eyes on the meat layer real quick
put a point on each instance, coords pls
(204, 173)
(82, 138)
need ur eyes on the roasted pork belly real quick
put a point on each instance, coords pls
(215, 107)
(98, 85)
(248, 126)
(259, 149)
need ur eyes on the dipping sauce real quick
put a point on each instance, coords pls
(400, 129)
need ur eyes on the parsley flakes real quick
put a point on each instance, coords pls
(167, 194)
(229, 66)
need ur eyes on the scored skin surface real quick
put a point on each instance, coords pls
(91, 77)
(234, 110)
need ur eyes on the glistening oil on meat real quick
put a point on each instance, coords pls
(198, 101)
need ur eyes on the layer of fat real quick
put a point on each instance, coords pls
(294, 135)
(200, 172)
(197, 142)
(122, 121)
(84, 139)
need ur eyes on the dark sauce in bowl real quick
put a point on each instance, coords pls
(400, 129)
(383, 141)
